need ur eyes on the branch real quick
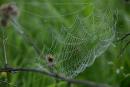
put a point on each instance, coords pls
(124, 37)
(54, 75)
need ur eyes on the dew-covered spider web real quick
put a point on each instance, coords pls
(83, 43)
(73, 32)
(77, 47)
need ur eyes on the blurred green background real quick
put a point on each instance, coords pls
(38, 17)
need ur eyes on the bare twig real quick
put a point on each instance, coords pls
(54, 75)
(124, 37)
(123, 49)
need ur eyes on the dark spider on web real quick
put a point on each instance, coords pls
(50, 60)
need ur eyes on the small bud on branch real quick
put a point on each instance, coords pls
(6, 12)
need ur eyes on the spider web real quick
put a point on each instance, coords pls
(76, 47)
(79, 45)
(86, 40)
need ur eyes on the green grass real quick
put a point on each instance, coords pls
(40, 21)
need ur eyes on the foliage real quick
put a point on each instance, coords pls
(74, 38)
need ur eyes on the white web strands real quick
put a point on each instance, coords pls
(74, 48)
(87, 40)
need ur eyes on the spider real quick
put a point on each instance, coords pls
(50, 60)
